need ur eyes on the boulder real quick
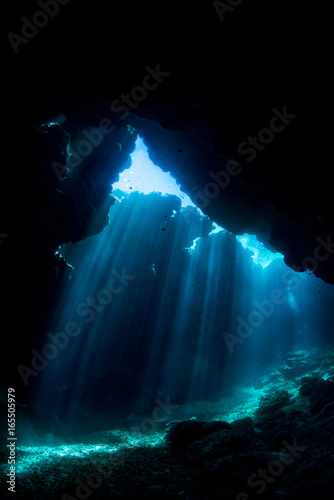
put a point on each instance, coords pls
(183, 433)
(320, 392)
(309, 384)
(243, 426)
(321, 396)
(218, 444)
(273, 402)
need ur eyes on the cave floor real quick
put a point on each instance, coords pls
(107, 464)
(126, 462)
(99, 471)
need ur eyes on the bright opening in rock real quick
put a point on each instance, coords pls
(146, 178)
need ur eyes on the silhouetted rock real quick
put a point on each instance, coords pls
(320, 392)
(184, 433)
(218, 444)
(273, 402)
(321, 396)
(242, 424)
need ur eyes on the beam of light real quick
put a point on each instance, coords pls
(145, 177)
(188, 289)
(167, 322)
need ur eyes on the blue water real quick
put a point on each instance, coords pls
(164, 303)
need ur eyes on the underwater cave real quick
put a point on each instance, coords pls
(166, 253)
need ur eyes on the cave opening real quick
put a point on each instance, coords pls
(145, 177)
(153, 348)
(165, 316)
(165, 305)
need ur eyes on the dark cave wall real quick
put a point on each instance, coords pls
(264, 199)
(224, 80)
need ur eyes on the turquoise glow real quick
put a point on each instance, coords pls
(31, 456)
(192, 249)
(217, 229)
(260, 254)
(145, 177)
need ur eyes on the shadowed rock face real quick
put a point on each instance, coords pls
(219, 84)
